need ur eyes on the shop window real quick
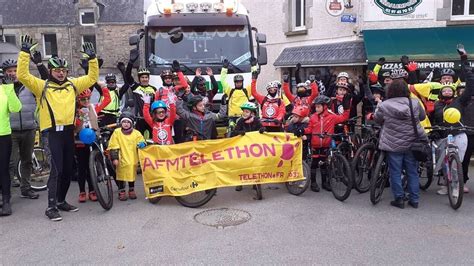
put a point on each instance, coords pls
(50, 45)
(462, 9)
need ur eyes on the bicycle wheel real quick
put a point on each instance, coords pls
(379, 179)
(196, 199)
(154, 200)
(356, 140)
(340, 177)
(101, 182)
(345, 149)
(425, 171)
(455, 181)
(40, 169)
(299, 187)
(363, 166)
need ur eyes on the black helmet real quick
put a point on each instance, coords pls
(448, 72)
(166, 74)
(238, 78)
(195, 100)
(110, 77)
(386, 74)
(56, 62)
(143, 71)
(127, 115)
(377, 88)
(9, 63)
(322, 99)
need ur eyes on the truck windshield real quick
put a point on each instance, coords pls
(201, 46)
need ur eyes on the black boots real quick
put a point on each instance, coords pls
(6, 207)
(399, 203)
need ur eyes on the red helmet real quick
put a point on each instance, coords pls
(301, 111)
(85, 94)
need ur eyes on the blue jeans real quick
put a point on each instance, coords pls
(398, 161)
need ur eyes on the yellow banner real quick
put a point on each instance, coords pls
(182, 169)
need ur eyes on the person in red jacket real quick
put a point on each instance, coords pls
(162, 120)
(304, 95)
(167, 92)
(86, 117)
(322, 121)
(272, 106)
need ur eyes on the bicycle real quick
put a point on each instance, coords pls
(299, 187)
(41, 167)
(350, 140)
(101, 169)
(452, 173)
(196, 199)
(339, 170)
(365, 159)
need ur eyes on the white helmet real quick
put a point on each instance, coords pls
(273, 84)
(343, 75)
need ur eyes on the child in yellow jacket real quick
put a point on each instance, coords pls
(123, 152)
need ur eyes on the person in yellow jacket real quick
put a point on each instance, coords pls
(123, 146)
(9, 103)
(56, 98)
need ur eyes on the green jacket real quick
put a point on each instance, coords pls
(9, 103)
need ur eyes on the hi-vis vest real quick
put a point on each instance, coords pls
(113, 107)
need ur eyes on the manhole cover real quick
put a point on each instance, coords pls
(222, 217)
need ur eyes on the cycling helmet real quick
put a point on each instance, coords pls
(322, 99)
(302, 111)
(143, 71)
(238, 78)
(249, 106)
(158, 104)
(386, 74)
(444, 86)
(377, 88)
(128, 116)
(195, 100)
(342, 85)
(110, 77)
(166, 74)
(56, 62)
(272, 84)
(398, 73)
(343, 75)
(85, 94)
(448, 72)
(9, 63)
(302, 84)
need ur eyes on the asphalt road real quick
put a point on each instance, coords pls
(313, 228)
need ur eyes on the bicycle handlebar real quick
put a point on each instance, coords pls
(443, 128)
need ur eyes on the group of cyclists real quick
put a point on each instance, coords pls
(181, 110)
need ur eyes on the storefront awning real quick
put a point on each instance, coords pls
(425, 44)
(335, 54)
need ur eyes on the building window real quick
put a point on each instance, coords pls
(50, 45)
(298, 15)
(462, 9)
(87, 17)
(10, 39)
(89, 38)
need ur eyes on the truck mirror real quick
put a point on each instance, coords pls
(134, 39)
(262, 56)
(261, 38)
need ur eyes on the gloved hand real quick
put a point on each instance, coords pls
(434, 135)
(175, 66)
(134, 54)
(36, 57)
(255, 75)
(141, 145)
(405, 60)
(224, 99)
(412, 66)
(286, 77)
(381, 61)
(461, 51)
(146, 99)
(7, 79)
(27, 43)
(262, 130)
(225, 63)
(312, 77)
(299, 132)
(373, 77)
(88, 50)
(253, 61)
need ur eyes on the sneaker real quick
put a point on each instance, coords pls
(238, 188)
(466, 190)
(442, 191)
(64, 206)
(82, 197)
(132, 195)
(53, 214)
(122, 196)
(92, 196)
(29, 194)
(399, 203)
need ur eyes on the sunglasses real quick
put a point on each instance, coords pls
(160, 112)
(58, 70)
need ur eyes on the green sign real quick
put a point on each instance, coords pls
(397, 7)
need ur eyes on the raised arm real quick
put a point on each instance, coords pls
(105, 100)
(258, 97)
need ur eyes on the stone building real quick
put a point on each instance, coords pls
(330, 36)
(60, 27)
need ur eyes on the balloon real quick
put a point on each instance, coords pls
(452, 115)
(87, 136)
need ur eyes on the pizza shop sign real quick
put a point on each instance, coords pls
(428, 65)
